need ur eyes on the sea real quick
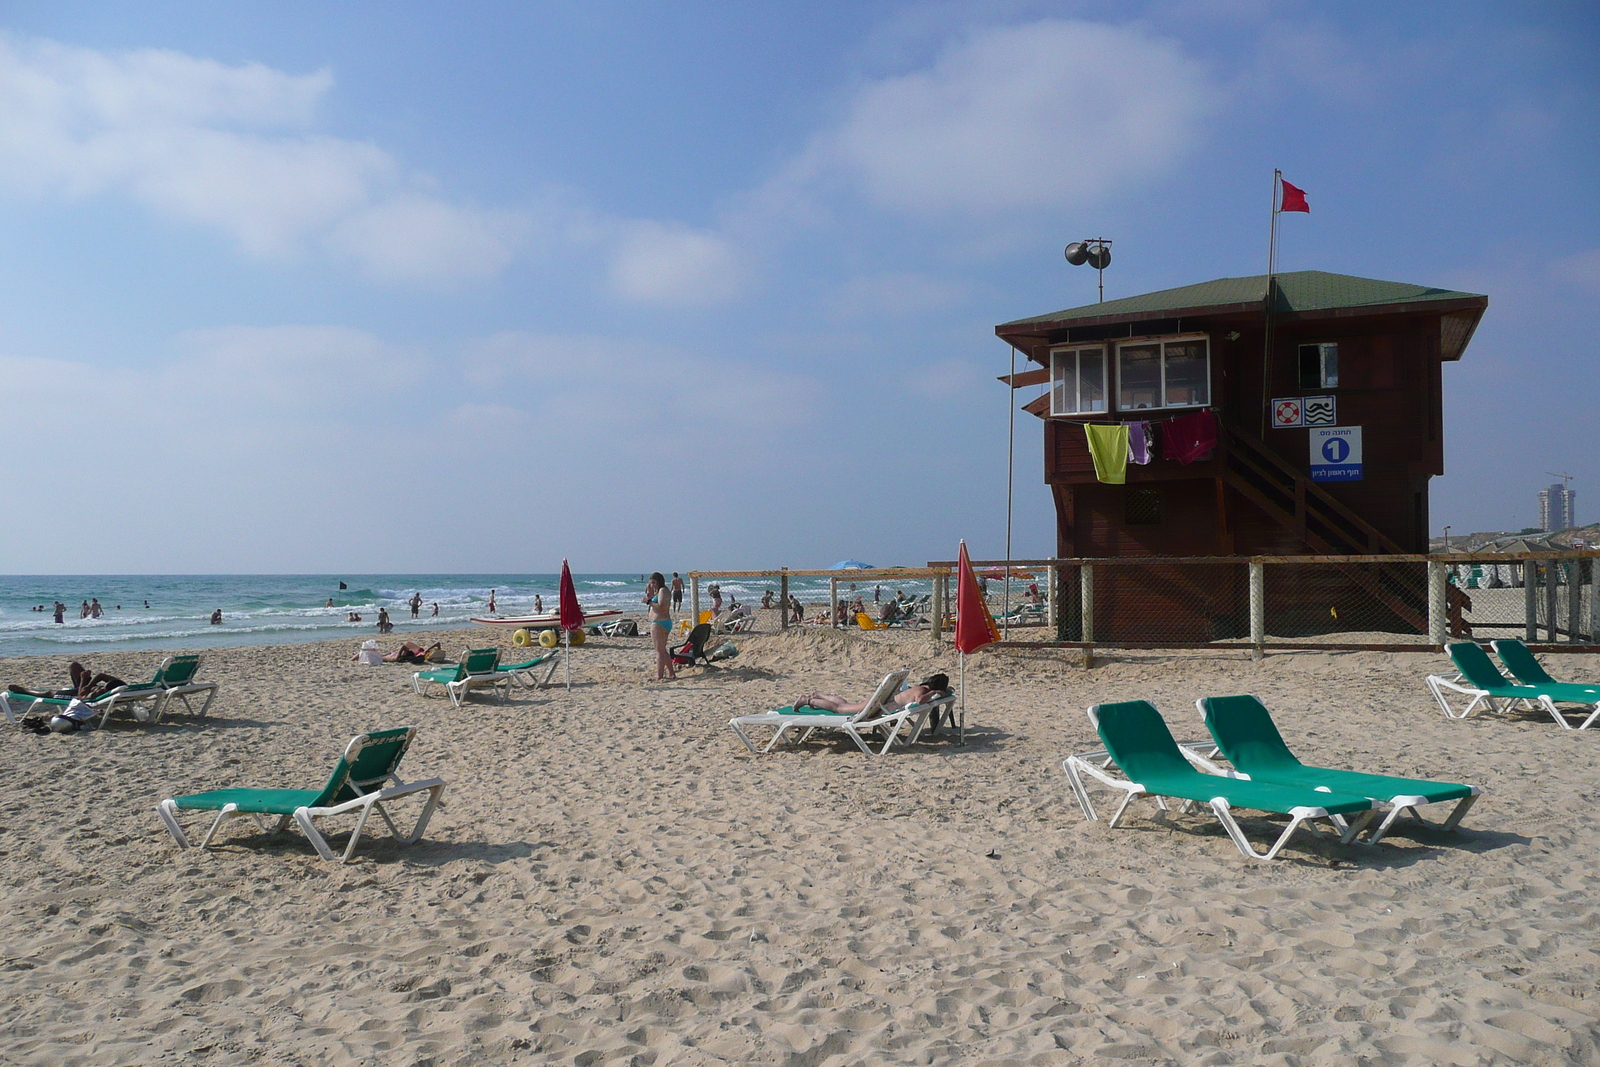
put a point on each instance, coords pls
(173, 610)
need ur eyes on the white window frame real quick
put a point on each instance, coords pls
(1163, 341)
(1077, 381)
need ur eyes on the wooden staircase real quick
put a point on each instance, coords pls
(1315, 518)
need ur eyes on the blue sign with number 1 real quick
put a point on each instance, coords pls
(1336, 453)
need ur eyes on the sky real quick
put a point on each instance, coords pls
(402, 287)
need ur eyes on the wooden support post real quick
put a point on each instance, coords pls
(783, 599)
(1574, 571)
(1530, 601)
(1438, 604)
(936, 629)
(1086, 590)
(1594, 599)
(1258, 608)
(833, 602)
(1552, 589)
(1052, 597)
(694, 601)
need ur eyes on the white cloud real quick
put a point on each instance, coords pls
(670, 265)
(643, 391)
(1051, 113)
(418, 238)
(228, 147)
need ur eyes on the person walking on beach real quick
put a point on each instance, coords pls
(384, 625)
(416, 604)
(435, 614)
(491, 602)
(538, 604)
(659, 616)
(677, 592)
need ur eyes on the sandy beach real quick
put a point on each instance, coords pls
(614, 880)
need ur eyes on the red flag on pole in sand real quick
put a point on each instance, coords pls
(974, 625)
(571, 617)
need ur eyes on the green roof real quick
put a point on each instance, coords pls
(1300, 290)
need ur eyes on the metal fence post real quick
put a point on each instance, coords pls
(1258, 607)
(694, 599)
(833, 603)
(783, 599)
(1552, 589)
(1438, 604)
(1530, 601)
(1086, 593)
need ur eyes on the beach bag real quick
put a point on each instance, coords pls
(369, 654)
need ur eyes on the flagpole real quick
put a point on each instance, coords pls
(1266, 344)
(1011, 448)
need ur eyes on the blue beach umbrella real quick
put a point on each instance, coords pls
(851, 565)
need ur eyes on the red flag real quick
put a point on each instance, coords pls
(1294, 198)
(571, 613)
(974, 625)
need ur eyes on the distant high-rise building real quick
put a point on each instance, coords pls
(1555, 508)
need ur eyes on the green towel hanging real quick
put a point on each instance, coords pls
(1108, 444)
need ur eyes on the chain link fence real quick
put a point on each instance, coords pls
(1395, 602)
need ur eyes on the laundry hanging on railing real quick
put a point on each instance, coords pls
(1189, 437)
(1108, 446)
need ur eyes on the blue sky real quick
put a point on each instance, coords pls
(403, 287)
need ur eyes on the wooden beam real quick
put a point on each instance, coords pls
(1025, 378)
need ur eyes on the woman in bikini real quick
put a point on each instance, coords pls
(933, 686)
(659, 616)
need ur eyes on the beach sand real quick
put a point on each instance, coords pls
(614, 880)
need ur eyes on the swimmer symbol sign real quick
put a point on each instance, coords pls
(1335, 453)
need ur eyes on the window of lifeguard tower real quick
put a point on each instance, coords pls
(1165, 373)
(1078, 380)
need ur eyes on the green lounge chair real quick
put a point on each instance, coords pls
(1138, 741)
(855, 726)
(1525, 668)
(176, 676)
(356, 785)
(173, 678)
(475, 671)
(1246, 735)
(1481, 680)
(523, 673)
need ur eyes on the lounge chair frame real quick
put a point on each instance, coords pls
(1394, 805)
(856, 726)
(1094, 767)
(475, 670)
(160, 689)
(369, 798)
(1510, 694)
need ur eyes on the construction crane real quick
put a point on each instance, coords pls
(1566, 479)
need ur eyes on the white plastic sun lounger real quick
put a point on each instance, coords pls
(856, 727)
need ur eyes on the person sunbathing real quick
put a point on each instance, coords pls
(930, 688)
(408, 652)
(86, 685)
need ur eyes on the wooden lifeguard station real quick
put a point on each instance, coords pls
(1280, 362)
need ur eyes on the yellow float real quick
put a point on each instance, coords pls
(522, 639)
